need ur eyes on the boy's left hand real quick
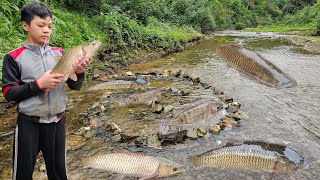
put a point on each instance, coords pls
(81, 64)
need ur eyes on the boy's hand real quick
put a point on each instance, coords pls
(49, 81)
(81, 64)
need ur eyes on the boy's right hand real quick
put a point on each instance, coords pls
(49, 81)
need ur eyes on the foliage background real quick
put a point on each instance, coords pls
(160, 25)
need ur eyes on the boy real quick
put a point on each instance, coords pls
(41, 118)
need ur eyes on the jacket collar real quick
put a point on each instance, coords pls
(36, 48)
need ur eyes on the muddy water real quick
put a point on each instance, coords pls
(286, 116)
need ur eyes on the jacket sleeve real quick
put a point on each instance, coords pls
(13, 88)
(76, 85)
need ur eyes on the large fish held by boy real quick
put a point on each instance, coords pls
(133, 164)
(65, 62)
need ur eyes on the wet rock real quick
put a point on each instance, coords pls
(229, 122)
(173, 138)
(205, 85)
(192, 134)
(81, 131)
(228, 99)
(95, 122)
(175, 73)
(129, 136)
(195, 79)
(233, 107)
(113, 128)
(116, 138)
(153, 141)
(166, 73)
(214, 129)
(168, 108)
(89, 134)
(75, 142)
(129, 73)
(158, 108)
(235, 116)
(217, 91)
(201, 132)
(96, 109)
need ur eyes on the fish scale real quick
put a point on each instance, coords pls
(244, 156)
(125, 163)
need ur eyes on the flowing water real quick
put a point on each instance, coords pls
(286, 116)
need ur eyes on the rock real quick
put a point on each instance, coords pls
(235, 116)
(214, 129)
(192, 134)
(129, 136)
(153, 141)
(175, 73)
(82, 131)
(228, 99)
(90, 134)
(116, 138)
(205, 85)
(233, 107)
(168, 108)
(216, 91)
(113, 128)
(158, 108)
(201, 132)
(229, 122)
(75, 142)
(166, 73)
(95, 122)
(176, 137)
(129, 73)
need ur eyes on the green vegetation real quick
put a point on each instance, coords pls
(158, 25)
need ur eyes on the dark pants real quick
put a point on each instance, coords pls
(31, 137)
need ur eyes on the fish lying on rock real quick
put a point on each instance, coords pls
(65, 62)
(133, 164)
(114, 85)
(252, 156)
(149, 98)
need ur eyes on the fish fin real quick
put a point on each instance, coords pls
(72, 76)
(121, 151)
(119, 177)
(57, 58)
(149, 176)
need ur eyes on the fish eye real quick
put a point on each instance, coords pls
(175, 169)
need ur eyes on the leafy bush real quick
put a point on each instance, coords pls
(318, 28)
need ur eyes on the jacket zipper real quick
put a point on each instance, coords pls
(45, 70)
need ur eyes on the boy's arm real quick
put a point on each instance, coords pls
(76, 85)
(13, 88)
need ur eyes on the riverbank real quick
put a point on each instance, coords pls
(299, 36)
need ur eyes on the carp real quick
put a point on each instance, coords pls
(250, 156)
(65, 62)
(254, 65)
(133, 164)
(149, 98)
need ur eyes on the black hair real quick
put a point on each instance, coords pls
(32, 9)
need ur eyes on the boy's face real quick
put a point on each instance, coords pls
(39, 30)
